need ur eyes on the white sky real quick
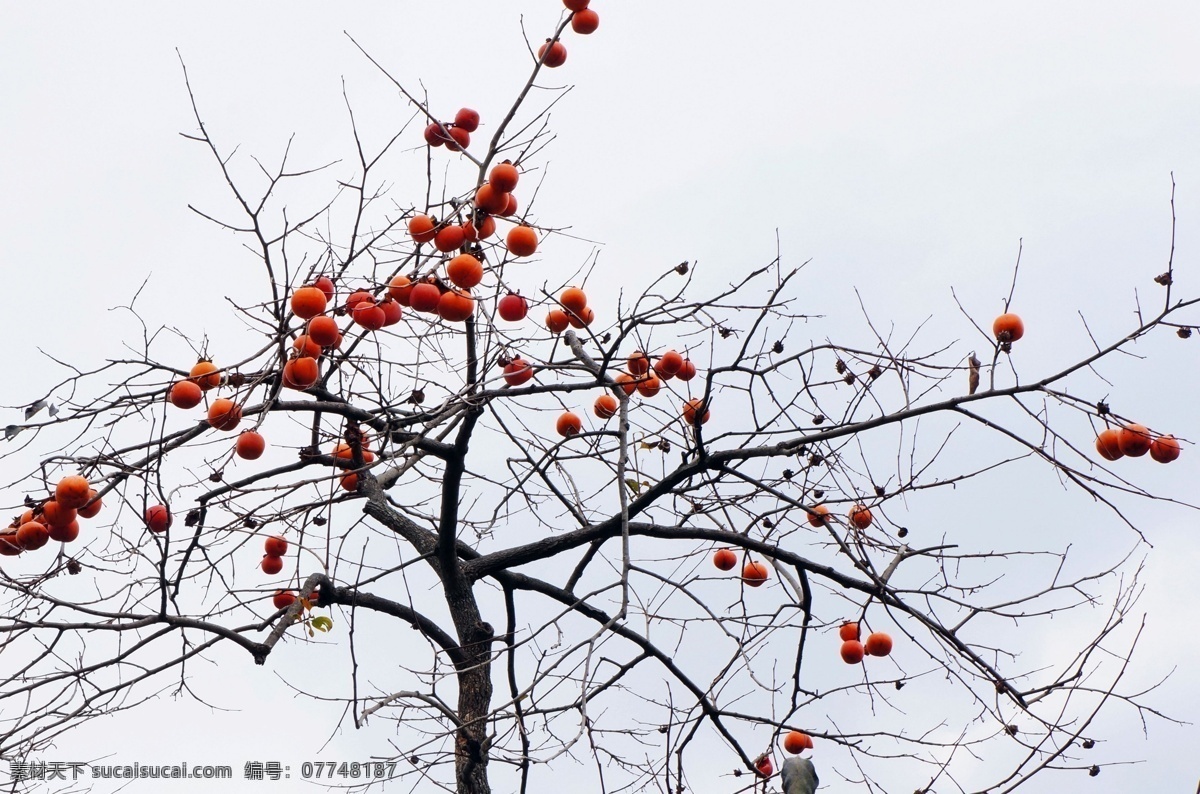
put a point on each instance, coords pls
(904, 149)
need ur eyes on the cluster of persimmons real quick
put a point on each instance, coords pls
(445, 292)
(1131, 440)
(1135, 440)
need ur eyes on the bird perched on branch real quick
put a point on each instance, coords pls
(799, 776)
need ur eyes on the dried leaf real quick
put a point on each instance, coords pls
(11, 431)
(973, 365)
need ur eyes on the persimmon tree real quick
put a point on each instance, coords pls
(622, 533)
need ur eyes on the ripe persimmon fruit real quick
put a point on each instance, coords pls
(399, 289)
(860, 517)
(434, 135)
(521, 240)
(325, 284)
(465, 271)
(818, 516)
(606, 406)
(503, 177)
(357, 297)
(250, 445)
(449, 238)
(92, 507)
(301, 373)
(467, 118)
(583, 319)
(556, 321)
(33, 535)
(422, 228)
(878, 644)
(725, 559)
(1164, 449)
(271, 565)
(459, 139)
(1108, 444)
(205, 375)
(576, 5)
(1135, 440)
(481, 230)
(755, 573)
(343, 451)
(512, 308)
(553, 54)
(852, 652)
(224, 414)
(185, 394)
(65, 534)
(275, 546)
(368, 314)
(573, 299)
(392, 313)
(585, 22)
(455, 306)
(649, 386)
(283, 599)
(638, 363)
(692, 412)
(56, 515)
(627, 382)
(308, 302)
(796, 742)
(306, 346)
(1008, 328)
(687, 370)
(568, 424)
(668, 364)
(424, 297)
(323, 330)
(490, 200)
(510, 206)
(158, 518)
(9, 545)
(848, 631)
(517, 372)
(72, 491)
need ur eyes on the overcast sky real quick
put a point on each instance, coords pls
(904, 148)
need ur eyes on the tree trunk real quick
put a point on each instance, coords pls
(471, 744)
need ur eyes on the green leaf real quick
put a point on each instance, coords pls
(322, 623)
(634, 486)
